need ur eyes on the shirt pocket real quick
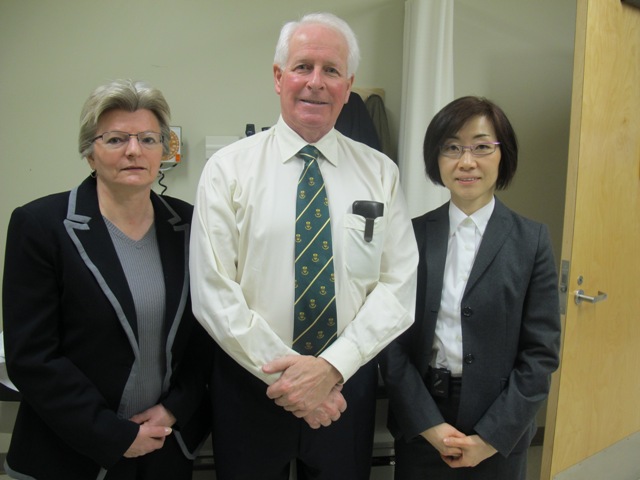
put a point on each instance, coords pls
(362, 259)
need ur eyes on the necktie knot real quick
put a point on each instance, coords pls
(309, 153)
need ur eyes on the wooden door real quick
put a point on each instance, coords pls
(595, 396)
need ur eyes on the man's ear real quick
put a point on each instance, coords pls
(351, 80)
(277, 77)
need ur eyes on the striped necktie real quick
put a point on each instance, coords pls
(315, 322)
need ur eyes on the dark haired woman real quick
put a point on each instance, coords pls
(466, 380)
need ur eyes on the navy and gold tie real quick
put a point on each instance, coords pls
(315, 322)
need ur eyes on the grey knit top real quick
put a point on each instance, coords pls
(141, 263)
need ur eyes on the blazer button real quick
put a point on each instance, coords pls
(467, 312)
(469, 359)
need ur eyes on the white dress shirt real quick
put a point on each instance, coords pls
(242, 249)
(465, 235)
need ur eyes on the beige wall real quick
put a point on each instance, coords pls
(211, 58)
(520, 54)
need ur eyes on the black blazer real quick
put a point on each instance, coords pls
(71, 336)
(510, 332)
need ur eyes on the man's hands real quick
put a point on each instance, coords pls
(308, 387)
(457, 449)
(155, 423)
(328, 411)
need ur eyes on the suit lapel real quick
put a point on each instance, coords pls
(173, 241)
(437, 236)
(432, 235)
(497, 231)
(86, 227)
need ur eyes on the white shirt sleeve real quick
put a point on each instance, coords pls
(218, 300)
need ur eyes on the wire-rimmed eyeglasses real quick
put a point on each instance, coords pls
(115, 139)
(453, 150)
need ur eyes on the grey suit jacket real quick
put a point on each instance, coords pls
(510, 330)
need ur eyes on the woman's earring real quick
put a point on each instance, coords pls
(93, 174)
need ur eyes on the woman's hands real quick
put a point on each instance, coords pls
(474, 450)
(155, 425)
(457, 449)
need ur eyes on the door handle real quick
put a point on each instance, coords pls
(580, 296)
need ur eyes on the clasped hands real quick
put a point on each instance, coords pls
(155, 425)
(309, 387)
(457, 449)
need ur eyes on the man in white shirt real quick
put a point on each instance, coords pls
(273, 405)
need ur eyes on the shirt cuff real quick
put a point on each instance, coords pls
(344, 356)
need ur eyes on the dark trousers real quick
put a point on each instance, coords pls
(253, 438)
(416, 459)
(167, 463)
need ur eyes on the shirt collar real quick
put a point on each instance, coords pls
(480, 217)
(290, 143)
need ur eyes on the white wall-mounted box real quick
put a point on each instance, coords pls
(214, 143)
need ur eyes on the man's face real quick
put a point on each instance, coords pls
(313, 85)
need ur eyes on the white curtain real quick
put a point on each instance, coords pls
(427, 86)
